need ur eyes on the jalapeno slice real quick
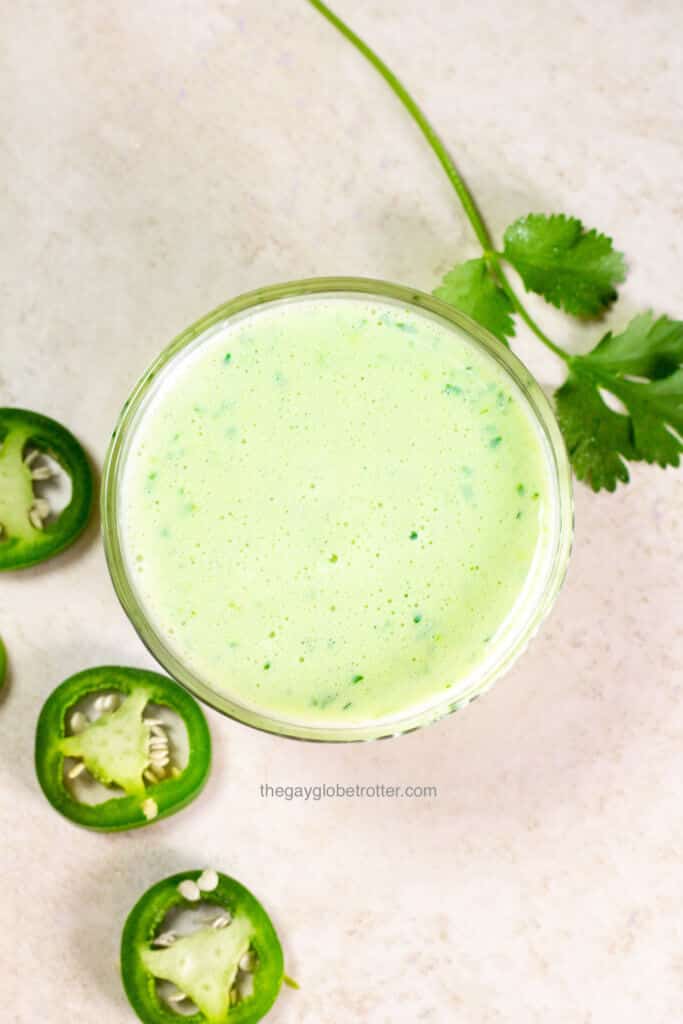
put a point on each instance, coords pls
(28, 534)
(228, 970)
(118, 742)
(3, 663)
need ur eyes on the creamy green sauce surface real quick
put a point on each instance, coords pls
(331, 507)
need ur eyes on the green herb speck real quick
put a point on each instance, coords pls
(324, 701)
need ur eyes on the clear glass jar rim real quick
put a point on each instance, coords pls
(413, 719)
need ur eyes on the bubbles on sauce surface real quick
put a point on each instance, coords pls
(338, 507)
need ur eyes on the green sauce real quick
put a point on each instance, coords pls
(333, 508)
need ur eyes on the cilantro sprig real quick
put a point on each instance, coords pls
(575, 269)
(623, 401)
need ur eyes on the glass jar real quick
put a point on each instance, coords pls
(538, 597)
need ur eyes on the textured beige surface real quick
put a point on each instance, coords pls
(160, 157)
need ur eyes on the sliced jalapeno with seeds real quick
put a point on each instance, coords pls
(221, 964)
(99, 727)
(28, 532)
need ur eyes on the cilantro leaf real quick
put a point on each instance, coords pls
(572, 268)
(646, 348)
(471, 288)
(656, 410)
(600, 441)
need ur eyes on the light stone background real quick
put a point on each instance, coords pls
(161, 157)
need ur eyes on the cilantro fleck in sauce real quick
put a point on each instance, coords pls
(332, 507)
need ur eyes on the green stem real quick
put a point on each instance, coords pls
(464, 195)
(397, 87)
(493, 260)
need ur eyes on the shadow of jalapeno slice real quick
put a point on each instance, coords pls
(199, 947)
(118, 748)
(33, 449)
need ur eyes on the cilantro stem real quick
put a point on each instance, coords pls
(423, 123)
(493, 259)
(457, 181)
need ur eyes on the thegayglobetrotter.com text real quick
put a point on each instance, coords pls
(338, 791)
